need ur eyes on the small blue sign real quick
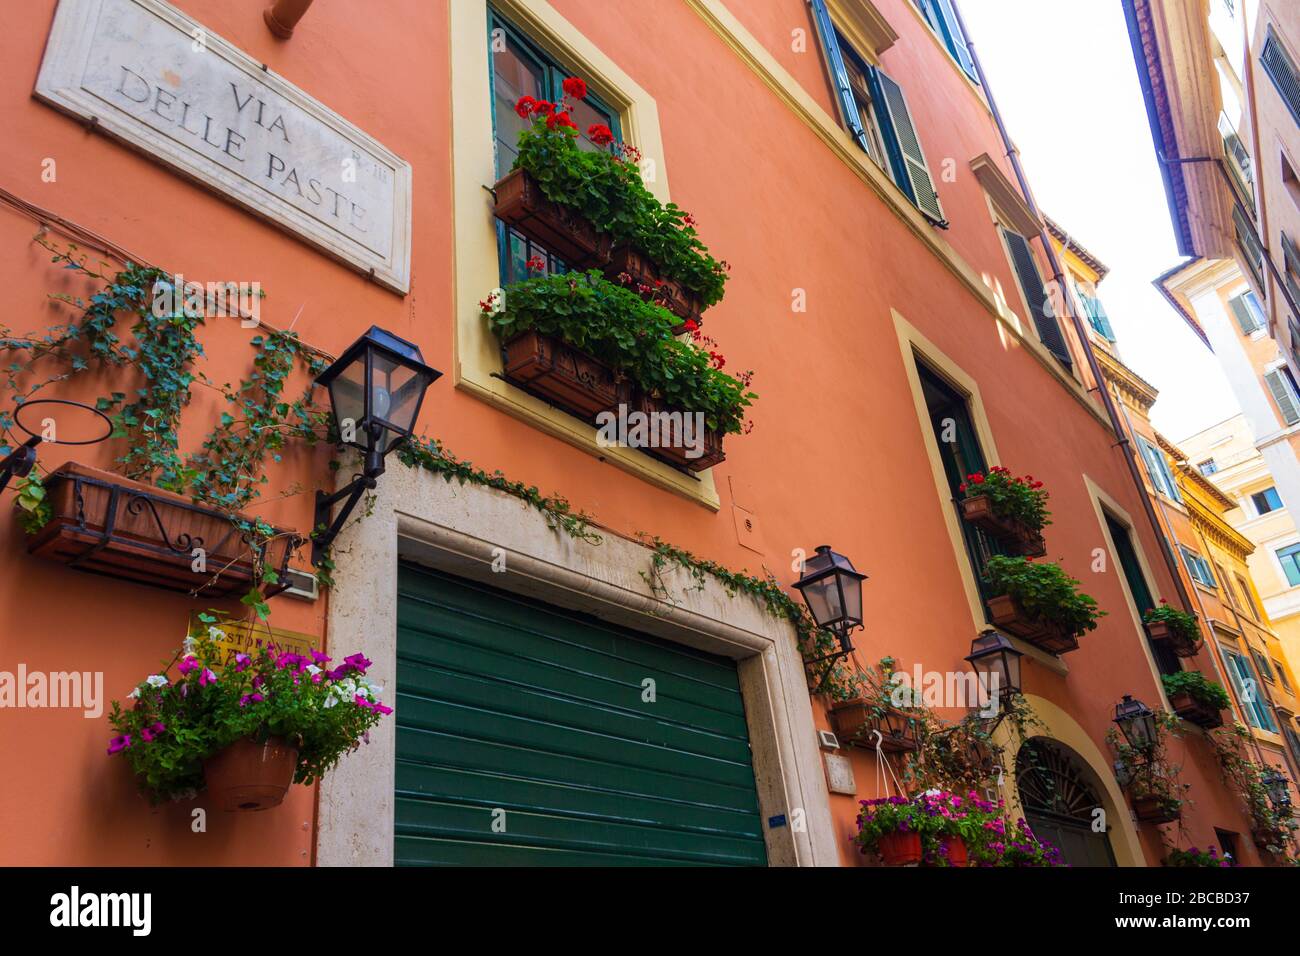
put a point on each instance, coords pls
(776, 821)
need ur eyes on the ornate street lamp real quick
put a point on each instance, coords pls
(996, 663)
(376, 388)
(1137, 722)
(832, 589)
(1278, 787)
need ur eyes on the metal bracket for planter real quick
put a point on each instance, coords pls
(826, 674)
(136, 504)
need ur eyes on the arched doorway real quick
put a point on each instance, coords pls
(1059, 802)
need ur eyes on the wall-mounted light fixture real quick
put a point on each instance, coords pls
(1137, 722)
(19, 462)
(1279, 789)
(832, 589)
(376, 388)
(996, 663)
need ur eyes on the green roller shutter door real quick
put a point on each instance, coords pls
(505, 704)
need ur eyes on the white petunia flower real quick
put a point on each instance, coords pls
(156, 680)
(135, 693)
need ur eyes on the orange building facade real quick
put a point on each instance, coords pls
(872, 314)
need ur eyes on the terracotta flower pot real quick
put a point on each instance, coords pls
(1160, 631)
(249, 775)
(1193, 711)
(1008, 614)
(521, 204)
(563, 375)
(900, 848)
(855, 724)
(957, 855)
(672, 448)
(1016, 539)
(1154, 809)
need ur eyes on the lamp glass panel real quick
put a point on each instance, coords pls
(852, 589)
(348, 396)
(823, 597)
(395, 396)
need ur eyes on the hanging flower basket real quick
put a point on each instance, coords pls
(629, 266)
(563, 375)
(1194, 711)
(855, 723)
(108, 524)
(900, 848)
(521, 204)
(249, 775)
(1016, 538)
(954, 848)
(671, 447)
(1151, 808)
(1008, 614)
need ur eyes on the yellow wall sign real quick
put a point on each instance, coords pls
(245, 637)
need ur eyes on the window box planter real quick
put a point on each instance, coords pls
(107, 524)
(855, 724)
(563, 375)
(1150, 808)
(1194, 711)
(671, 448)
(1182, 647)
(900, 848)
(1012, 618)
(521, 204)
(671, 294)
(249, 775)
(1016, 538)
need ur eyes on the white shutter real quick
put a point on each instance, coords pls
(1283, 392)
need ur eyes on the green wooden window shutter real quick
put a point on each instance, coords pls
(950, 29)
(1242, 313)
(1282, 71)
(911, 171)
(1291, 257)
(1284, 394)
(1097, 316)
(839, 74)
(1040, 306)
(1250, 246)
(1161, 477)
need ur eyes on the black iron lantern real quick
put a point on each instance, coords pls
(376, 388)
(996, 663)
(1278, 787)
(832, 589)
(1137, 722)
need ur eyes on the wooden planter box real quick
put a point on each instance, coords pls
(671, 448)
(521, 204)
(672, 295)
(855, 725)
(107, 524)
(1015, 538)
(1159, 631)
(564, 376)
(1192, 710)
(1011, 617)
(1150, 809)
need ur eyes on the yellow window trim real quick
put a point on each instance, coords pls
(476, 267)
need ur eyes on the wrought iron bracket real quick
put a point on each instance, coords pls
(333, 524)
(19, 461)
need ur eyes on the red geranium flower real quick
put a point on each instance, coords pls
(545, 107)
(525, 106)
(559, 120)
(575, 87)
(600, 134)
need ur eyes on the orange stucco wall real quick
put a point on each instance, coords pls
(836, 454)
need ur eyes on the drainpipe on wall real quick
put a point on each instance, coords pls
(1121, 436)
(283, 15)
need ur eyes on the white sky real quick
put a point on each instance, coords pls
(1063, 75)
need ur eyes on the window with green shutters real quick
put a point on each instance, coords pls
(1037, 300)
(1289, 558)
(1247, 311)
(1198, 568)
(1250, 247)
(1096, 314)
(1281, 69)
(1283, 389)
(1138, 589)
(1266, 501)
(874, 111)
(1239, 162)
(1257, 711)
(942, 17)
(1162, 478)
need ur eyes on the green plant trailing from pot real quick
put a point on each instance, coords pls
(178, 720)
(1183, 627)
(616, 326)
(1022, 500)
(604, 185)
(1045, 592)
(1198, 858)
(1196, 686)
(1273, 827)
(1148, 770)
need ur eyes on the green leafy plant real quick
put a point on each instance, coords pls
(1148, 770)
(1273, 827)
(1018, 499)
(1006, 844)
(1196, 686)
(178, 721)
(1045, 592)
(605, 186)
(616, 326)
(1197, 858)
(34, 511)
(1182, 626)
